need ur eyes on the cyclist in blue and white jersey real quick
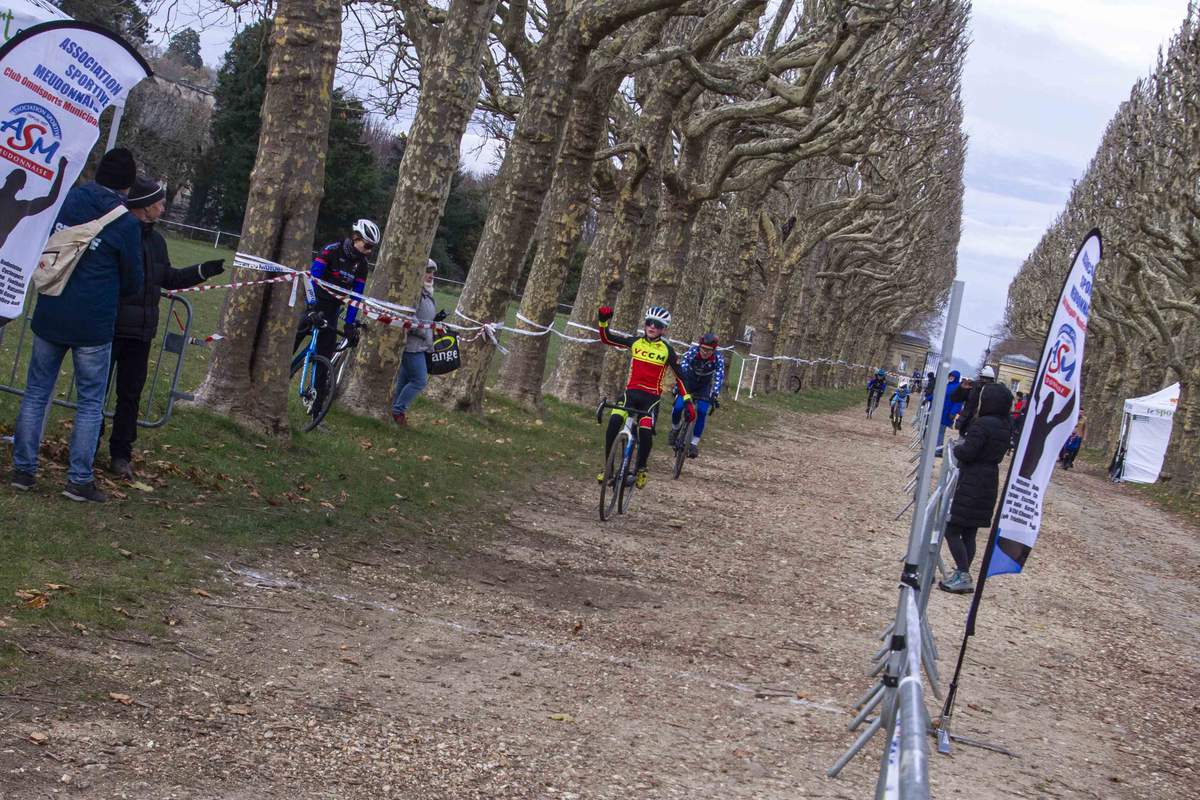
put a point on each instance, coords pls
(703, 371)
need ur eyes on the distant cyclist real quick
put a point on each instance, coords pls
(875, 389)
(898, 403)
(651, 357)
(703, 374)
(342, 264)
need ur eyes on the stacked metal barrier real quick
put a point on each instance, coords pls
(897, 697)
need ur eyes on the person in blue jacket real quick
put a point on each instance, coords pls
(950, 409)
(81, 320)
(703, 371)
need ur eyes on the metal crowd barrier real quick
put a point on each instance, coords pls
(167, 364)
(909, 652)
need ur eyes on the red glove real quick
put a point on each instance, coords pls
(605, 313)
(690, 408)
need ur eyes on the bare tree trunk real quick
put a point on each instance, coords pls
(629, 309)
(725, 297)
(248, 377)
(577, 373)
(516, 198)
(669, 249)
(559, 233)
(449, 91)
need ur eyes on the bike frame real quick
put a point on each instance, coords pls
(308, 365)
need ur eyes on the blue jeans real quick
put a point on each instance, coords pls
(413, 377)
(701, 415)
(91, 384)
(942, 434)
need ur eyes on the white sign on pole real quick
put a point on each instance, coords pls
(56, 79)
(1053, 411)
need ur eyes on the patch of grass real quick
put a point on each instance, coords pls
(1160, 493)
(216, 489)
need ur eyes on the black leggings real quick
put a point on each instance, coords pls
(646, 406)
(961, 541)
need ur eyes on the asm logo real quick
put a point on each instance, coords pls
(1062, 358)
(30, 137)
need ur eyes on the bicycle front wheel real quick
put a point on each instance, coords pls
(682, 440)
(314, 392)
(340, 362)
(625, 487)
(609, 489)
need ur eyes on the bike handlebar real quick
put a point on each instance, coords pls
(614, 406)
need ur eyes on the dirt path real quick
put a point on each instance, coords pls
(706, 646)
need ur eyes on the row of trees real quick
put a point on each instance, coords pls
(795, 166)
(1141, 190)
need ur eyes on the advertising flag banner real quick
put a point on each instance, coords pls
(56, 79)
(17, 15)
(1052, 413)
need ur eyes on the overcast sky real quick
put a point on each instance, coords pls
(1042, 80)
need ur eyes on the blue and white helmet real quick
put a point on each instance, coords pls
(660, 315)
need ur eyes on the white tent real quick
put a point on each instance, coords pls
(1145, 434)
(17, 15)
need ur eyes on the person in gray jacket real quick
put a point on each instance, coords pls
(414, 372)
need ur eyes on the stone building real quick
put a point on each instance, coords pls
(906, 352)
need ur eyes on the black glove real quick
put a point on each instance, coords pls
(439, 316)
(314, 319)
(211, 269)
(351, 333)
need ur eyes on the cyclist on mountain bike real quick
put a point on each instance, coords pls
(651, 357)
(703, 372)
(875, 389)
(898, 403)
(343, 264)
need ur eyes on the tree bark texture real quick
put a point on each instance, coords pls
(248, 377)
(560, 229)
(449, 91)
(576, 375)
(629, 310)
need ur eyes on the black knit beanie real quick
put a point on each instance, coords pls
(145, 193)
(117, 170)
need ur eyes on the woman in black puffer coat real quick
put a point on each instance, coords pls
(978, 456)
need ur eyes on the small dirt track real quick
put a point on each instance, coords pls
(708, 645)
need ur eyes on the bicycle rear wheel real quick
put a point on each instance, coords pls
(314, 388)
(609, 489)
(682, 439)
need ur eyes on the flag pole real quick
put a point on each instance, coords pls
(944, 734)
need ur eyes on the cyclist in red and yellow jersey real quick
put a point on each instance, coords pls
(651, 358)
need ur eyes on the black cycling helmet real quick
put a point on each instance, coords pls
(709, 339)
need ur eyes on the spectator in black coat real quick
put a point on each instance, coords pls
(137, 319)
(968, 394)
(978, 455)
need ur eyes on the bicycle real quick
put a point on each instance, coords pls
(795, 384)
(873, 399)
(683, 438)
(897, 416)
(315, 389)
(340, 361)
(619, 464)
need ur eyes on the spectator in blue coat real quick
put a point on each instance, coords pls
(81, 320)
(950, 409)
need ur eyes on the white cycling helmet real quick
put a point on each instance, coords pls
(366, 230)
(660, 315)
